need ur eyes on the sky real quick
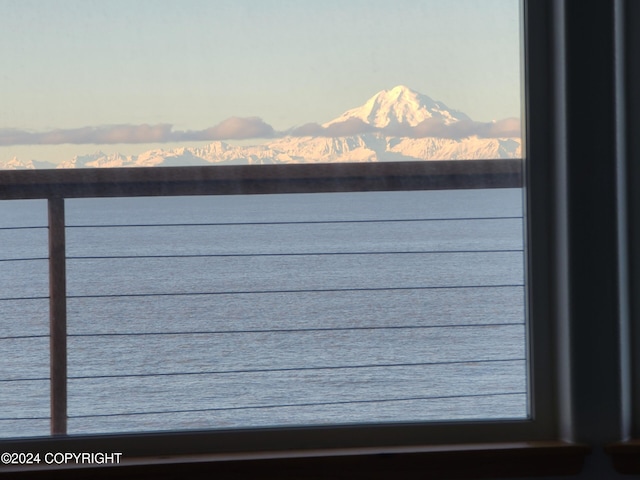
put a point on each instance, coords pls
(74, 68)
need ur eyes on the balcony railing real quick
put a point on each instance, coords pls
(57, 185)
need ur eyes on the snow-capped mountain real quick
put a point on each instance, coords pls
(97, 160)
(16, 164)
(394, 125)
(400, 106)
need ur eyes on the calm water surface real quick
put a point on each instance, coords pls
(359, 316)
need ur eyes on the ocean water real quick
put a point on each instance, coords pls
(240, 311)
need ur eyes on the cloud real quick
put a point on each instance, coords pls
(98, 135)
(234, 128)
(431, 127)
(307, 130)
(351, 126)
(238, 128)
(509, 127)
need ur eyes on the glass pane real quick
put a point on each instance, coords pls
(301, 309)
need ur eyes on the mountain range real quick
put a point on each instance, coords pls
(398, 124)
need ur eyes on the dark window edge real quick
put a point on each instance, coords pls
(625, 456)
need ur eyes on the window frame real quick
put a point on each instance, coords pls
(547, 278)
(625, 452)
(629, 197)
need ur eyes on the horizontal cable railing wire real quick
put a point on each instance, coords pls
(34, 227)
(23, 337)
(25, 259)
(275, 370)
(300, 369)
(301, 405)
(262, 292)
(22, 419)
(287, 223)
(274, 330)
(31, 379)
(300, 254)
(19, 299)
(287, 405)
(298, 330)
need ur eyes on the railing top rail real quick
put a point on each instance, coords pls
(260, 179)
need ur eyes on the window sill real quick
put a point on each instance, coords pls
(446, 461)
(625, 456)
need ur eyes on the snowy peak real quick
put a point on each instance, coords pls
(400, 106)
(97, 160)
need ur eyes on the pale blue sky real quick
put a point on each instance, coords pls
(194, 63)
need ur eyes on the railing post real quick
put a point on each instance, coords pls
(58, 316)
